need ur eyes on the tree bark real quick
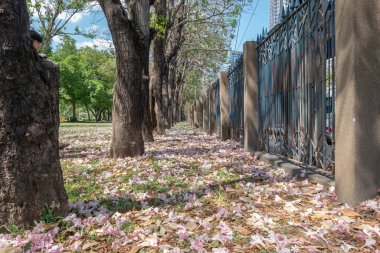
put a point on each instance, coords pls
(139, 11)
(30, 172)
(127, 113)
(88, 113)
(74, 105)
(159, 70)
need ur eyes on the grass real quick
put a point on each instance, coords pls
(82, 190)
(153, 185)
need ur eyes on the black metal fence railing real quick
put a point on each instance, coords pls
(236, 98)
(217, 106)
(297, 85)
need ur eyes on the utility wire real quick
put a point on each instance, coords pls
(238, 25)
(246, 29)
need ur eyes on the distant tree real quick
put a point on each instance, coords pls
(73, 84)
(30, 172)
(65, 49)
(178, 24)
(98, 70)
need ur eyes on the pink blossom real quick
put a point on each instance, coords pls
(120, 221)
(220, 250)
(222, 213)
(76, 246)
(197, 245)
(225, 229)
(111, 230)
(76, 236)
(55, 249)
(182, 233)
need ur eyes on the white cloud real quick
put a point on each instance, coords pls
(57, 39)
(100, 44)
(74, 19)
(91, 29)
(77, 17)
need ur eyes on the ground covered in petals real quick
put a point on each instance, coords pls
(191, 193)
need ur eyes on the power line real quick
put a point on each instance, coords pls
(246, 29)
(238, 29)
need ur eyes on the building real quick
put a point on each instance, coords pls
(234, 56)
(275, 11)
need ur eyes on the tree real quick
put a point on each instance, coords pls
(160, 68)
(53, 16)
(98, 70)
(175, 23)
(65, 49)
(30, 172)
(73, 87)
(129, 26)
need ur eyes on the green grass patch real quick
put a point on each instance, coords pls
(82, 190)
(153, 185)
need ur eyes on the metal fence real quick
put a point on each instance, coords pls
(217, 106)
(236, 98)
(297, 84)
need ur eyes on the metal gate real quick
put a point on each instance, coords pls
(236, 98)
(297, 84)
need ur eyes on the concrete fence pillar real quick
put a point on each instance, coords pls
(200, 113)
(357, 151)
(212, 124)
(205, 115)
(224, 113)
(251, 97)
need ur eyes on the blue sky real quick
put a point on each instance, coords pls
(259, 20)
(253, 19)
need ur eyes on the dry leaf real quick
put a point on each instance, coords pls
(162, 230)
(348, 219)
(148, 222)
(144, 218)
(50, 226)
(172, 225)
(135, 249)
(322, 216)
(10, 250)
(191, 226)
(349, 213)
(89, 245)
(242, 230)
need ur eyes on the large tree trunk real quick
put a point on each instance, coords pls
(147, 121)
(127, 114)
(159, 70)
(30, 172)
(139, 11)
(172, 85)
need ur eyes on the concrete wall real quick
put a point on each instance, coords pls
(357, 154)
(251, 98)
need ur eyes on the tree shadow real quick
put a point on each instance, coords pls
(83, 152)
(180, 196)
